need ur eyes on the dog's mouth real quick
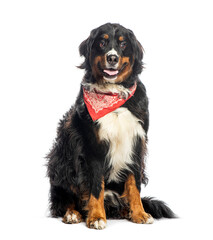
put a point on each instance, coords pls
(111, 73)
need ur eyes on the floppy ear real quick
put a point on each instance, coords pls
(138, 53)
(85, 48)
(139, 50)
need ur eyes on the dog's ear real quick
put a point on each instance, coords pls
(85, 49)
(138, 53)
(139, 50)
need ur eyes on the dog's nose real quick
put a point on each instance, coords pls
(112, 59)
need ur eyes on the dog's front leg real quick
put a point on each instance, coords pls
(96, 213)
(136, 210)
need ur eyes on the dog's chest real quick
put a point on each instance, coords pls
(120, 128)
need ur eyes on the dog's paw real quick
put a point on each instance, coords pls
(98, 223)
(142, 217)
(72, 216)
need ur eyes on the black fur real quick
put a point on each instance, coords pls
(77, 161)
(156, 208)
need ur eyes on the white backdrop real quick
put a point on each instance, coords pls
(39, 82)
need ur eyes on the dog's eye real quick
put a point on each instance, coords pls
(123, 45)
(102, 44)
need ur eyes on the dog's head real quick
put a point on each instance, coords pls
(112, 54)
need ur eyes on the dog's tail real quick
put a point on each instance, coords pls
(158, 209)
(116, 207)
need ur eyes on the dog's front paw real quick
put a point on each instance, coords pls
(142, 217)
(96, 223)
(72, 216)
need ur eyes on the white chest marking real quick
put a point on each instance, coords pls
(120, 128)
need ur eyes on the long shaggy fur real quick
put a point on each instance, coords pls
(78, 161)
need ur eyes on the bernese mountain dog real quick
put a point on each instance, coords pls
(97, 163)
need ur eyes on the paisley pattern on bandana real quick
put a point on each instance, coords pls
(99, 104)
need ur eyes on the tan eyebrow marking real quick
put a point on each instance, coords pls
(106, 36)
(121, 38)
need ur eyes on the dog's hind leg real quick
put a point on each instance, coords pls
(63, 203)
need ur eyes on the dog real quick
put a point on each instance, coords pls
(97, 163)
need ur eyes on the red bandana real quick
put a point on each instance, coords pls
(99, 104)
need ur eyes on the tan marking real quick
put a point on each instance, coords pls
(74, 189)
(121, 38)
(84, 196)
(96, 211)
(132, 195)
(124, 213)
(126, 71)
(95, 70)
(96, 130)
(106, 36)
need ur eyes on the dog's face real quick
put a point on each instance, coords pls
(112, 54)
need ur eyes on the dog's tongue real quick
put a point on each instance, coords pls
(111, 72)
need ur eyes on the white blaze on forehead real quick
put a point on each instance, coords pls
(112, 52)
